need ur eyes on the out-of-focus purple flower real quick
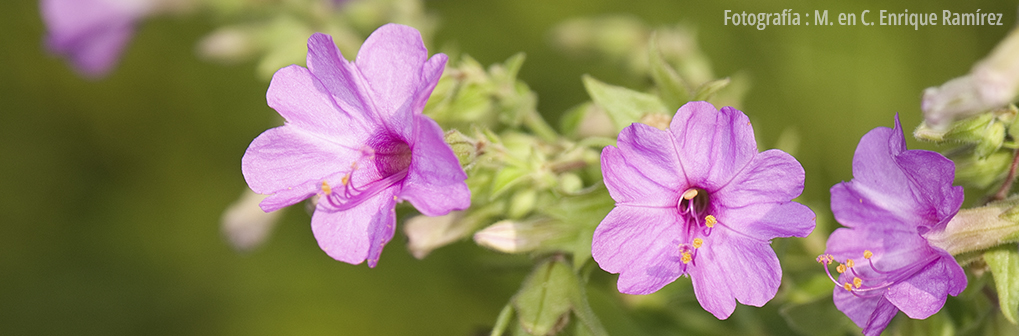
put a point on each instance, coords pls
(91, 34)
(896, 198)
(355, 136)
(698, 199)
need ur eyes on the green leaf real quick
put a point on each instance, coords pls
(671, 87)
(506, 179)
(817, 317)
(543, 302)
(1004, 264)
(708, 90)
(503, 321)
(623, 105)
(584, 312)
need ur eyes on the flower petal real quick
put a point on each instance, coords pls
(710, 286)
(765, 221)
(923, 294)
(772, 176)
(879, 180)
(430, 74)
(749, 266)
(358, 233)
(852, 208)
(870, 313)
(641, 245)
(932, 175)
(435, 182)
(641, 171)
(892, 250)
(391, 61)
(288, 163)
(348, 89)
(304, 101)
(712, 145)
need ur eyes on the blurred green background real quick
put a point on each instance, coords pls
(111, 191)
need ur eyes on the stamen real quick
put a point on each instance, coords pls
(326, 189)
(345, 180)
(848, 287)
(841, 268)
(867, 254)
(686, 257)
(697, 242)
(857, 282)
(710, 221)
(689, 194)
(850, 263)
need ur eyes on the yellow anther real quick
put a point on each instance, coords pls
(710, 221)
(867, 254)
(353, 165)
(686, 257)
(841, 268)
(850, 263)
(345, 179)
(857, 282)
(689, 194)
(697, 242)
(848, 286)
(326, 189)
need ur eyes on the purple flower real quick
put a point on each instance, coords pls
(355, 136)
(698, 199)
(895, 199)
(91, 33)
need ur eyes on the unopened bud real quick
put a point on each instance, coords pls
(228, 45)
(993, 82)
(426, 233)
(245, 225)
(517, 237)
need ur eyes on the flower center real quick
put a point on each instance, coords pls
(693, 208)
(383, 161)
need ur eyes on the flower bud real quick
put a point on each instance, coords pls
(245, 225)
(980, 228)
(426, 233)
(993, 82)
(516, 237)
(465, 147)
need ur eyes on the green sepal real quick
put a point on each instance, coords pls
(982, 173)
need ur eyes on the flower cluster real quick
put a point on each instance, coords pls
(697, 199)
(896, 199)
